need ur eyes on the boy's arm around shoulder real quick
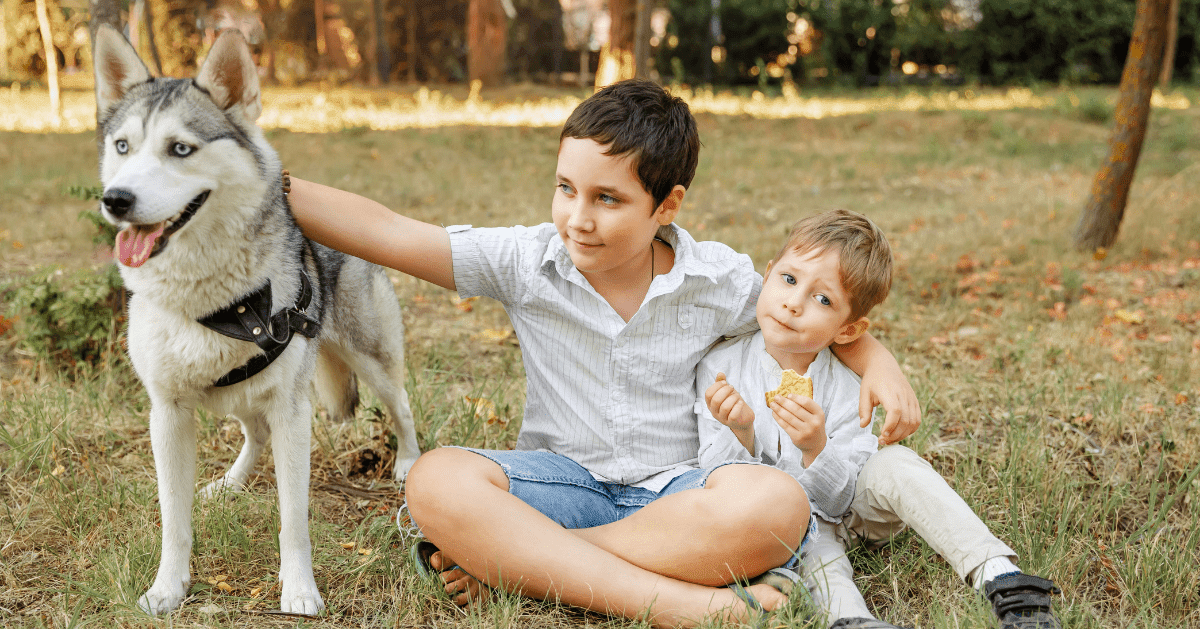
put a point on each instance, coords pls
(883, 384)
(369, 230)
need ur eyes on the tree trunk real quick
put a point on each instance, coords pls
(641, 40)
(383, 57)
(319, 17)
(4, 38)
(1168, 63)
(43, 18)
(150, 41)
(372, 49)
(617, 61)
(487, 41)
(1101, 219)
(410, 41)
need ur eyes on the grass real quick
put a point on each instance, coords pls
(1060, 393)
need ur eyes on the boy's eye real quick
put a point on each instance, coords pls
(789, 278)
(608, 199)
(824, 301)
(566, 189)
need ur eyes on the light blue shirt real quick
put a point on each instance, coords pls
(614, 396)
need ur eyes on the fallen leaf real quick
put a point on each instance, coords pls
(224, 587)
(256, 591)
(493, 335)
(1134, 318)
(365, 551)
(347, 545)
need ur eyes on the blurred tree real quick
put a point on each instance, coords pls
(1164, 79)
(753, 34)
(43, 19)
(487, 39)
(5, 19)
(536, 42)
(1101, 219)
(617, 60)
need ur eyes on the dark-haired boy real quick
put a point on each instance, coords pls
(602, 505)
(817, 292)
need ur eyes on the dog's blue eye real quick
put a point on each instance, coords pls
(122, 146)
(179, 149)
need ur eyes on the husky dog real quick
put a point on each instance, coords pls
(232, 307)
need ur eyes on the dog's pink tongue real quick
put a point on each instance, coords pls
(136, 242)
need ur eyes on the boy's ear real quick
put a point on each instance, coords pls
(851, 331)
(670, 206)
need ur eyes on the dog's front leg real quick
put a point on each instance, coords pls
(291, 435)
(173, 439)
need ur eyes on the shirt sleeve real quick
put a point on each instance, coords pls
(830, 480)
(718, 444)
(748, 280)
(487, 261)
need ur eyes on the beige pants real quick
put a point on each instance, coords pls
(896, 488)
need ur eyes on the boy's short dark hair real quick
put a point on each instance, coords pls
(864, 256)
(640, 118)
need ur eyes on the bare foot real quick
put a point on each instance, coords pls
(730, 607)
(462, 588)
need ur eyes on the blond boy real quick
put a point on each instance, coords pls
(817, 292)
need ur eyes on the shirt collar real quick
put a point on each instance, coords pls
(686, 261)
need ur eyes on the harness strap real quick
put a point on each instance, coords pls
(248, 319)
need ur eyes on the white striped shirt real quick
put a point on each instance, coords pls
(615, 397)
(830, 480)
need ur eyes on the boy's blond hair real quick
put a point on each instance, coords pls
(864, 256)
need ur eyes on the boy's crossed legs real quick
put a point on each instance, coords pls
(668, 557)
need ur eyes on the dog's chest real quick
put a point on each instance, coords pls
(171, 351)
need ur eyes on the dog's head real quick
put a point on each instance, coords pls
(165, 143)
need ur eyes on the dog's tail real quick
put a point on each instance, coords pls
(337, 386)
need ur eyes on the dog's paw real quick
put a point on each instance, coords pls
(301, 599)
(403, 465)
(161, 599)
(218, 487)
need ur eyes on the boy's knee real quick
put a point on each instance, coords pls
(440, 476)
(764, 497)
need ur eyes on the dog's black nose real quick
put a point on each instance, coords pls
(119, 202)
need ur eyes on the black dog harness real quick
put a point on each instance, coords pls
(249, 319)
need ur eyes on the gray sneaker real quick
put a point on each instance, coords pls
(1022, 601)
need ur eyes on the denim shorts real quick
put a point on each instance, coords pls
(565, 492)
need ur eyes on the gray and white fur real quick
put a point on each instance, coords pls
(187, 172)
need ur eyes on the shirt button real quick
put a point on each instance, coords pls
(685, 320)
(620, 341)
(623, 452)
(618, 396)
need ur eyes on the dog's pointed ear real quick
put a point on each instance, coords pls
(230, 75)
(117, 67)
